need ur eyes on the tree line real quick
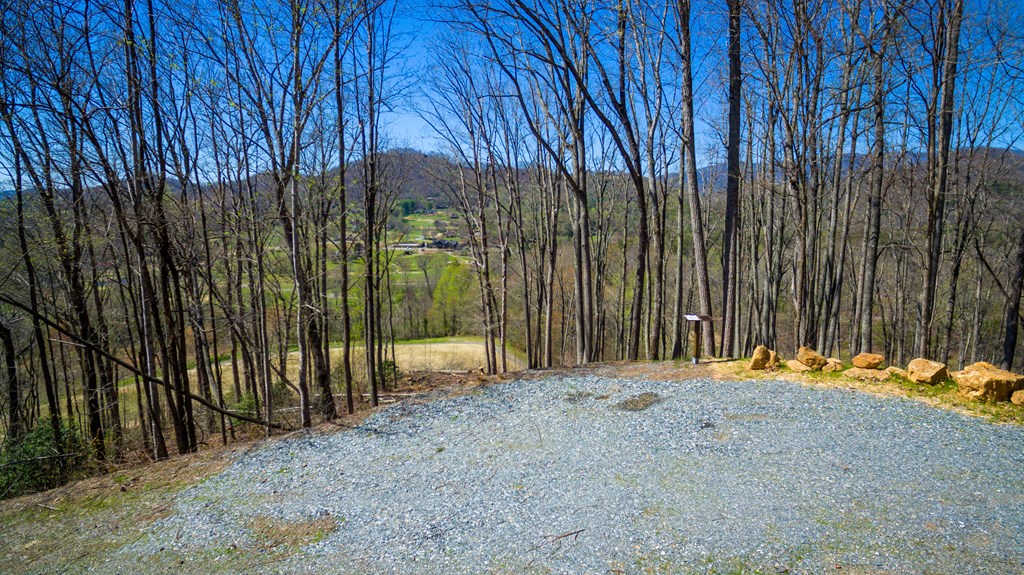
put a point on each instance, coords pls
(864, 162)
(199, 191)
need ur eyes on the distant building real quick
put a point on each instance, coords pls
(445, 244)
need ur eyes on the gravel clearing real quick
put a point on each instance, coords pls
(554, 476)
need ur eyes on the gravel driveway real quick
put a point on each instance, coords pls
(595, 475)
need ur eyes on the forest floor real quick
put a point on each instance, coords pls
(615, 468)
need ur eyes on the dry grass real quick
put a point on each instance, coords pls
(446, 356)
(433, 355)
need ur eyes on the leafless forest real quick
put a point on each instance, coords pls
(194, 191)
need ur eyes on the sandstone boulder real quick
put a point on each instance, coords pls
(832, 364)
(923, 370)
(811, 358)
(1018, 397)
(893, 370)
(868, 360)
(983, 381)
(865, 374)
(773, 359)
(760, 358)
(798, 366)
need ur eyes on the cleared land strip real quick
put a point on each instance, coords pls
(575, 473)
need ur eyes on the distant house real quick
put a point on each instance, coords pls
(445, 244)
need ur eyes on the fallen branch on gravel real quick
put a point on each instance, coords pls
(574, 534)
(556, 540)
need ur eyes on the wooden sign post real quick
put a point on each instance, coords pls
(698, 322)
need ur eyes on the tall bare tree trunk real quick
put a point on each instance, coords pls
(1013, 308)
(870, 265)
(937, 198)
(690, 167)
(732, 188)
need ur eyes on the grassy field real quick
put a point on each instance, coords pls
(424, 225)
(405, 268)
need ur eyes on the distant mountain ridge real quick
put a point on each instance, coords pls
(422, 169)
(419, 176)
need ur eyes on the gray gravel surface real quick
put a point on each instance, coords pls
(553, 476)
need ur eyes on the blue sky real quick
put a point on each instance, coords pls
(416, 28)
(405, 126)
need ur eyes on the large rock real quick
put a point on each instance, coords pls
(773, 359)
(893, 370)
(868, 360)
(760, 358)
(811, 358)
(867, 374)
(983, 381)
(833, 364)
(1017, 398)
(923, 370)
(798, 366)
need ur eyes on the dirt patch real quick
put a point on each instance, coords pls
(449, 381)
(420, 386)
(578, 396)
(271, 532)
(639, 402)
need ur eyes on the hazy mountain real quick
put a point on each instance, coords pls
(422, 176)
